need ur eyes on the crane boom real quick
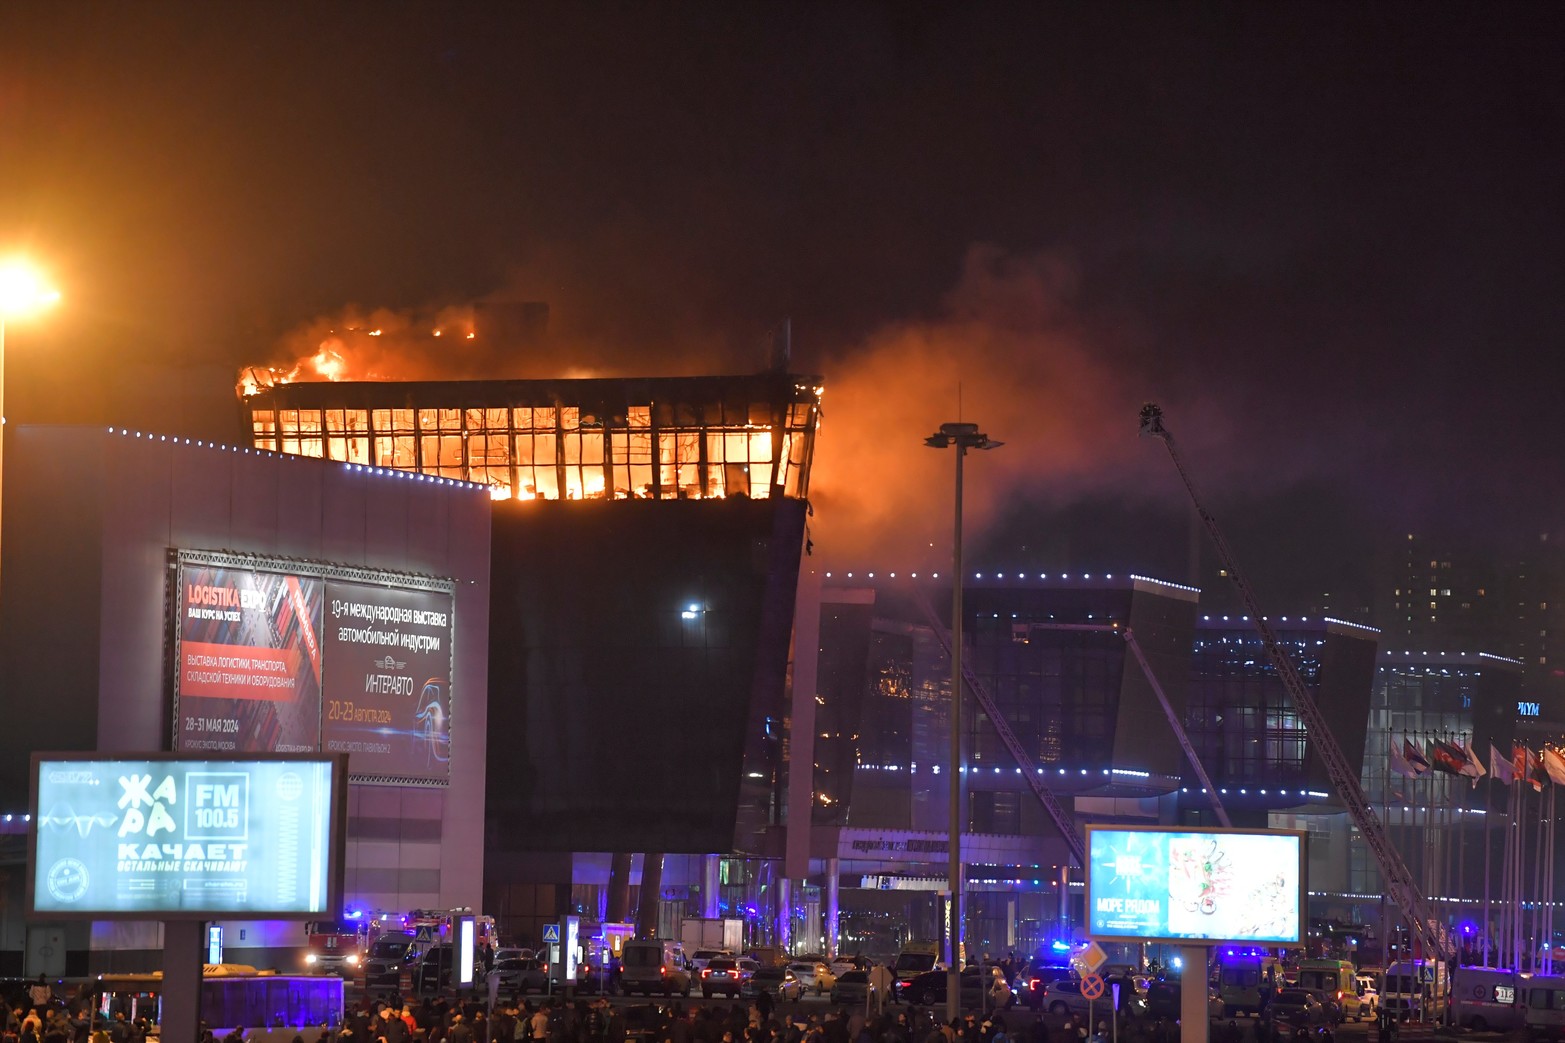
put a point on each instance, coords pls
(1399, 883)
(1064, 821)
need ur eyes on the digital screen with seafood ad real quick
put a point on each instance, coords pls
(1146, 884)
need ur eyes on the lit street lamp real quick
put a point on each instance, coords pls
(23, 292)
(964, 437)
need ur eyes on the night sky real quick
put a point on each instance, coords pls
(1328, 238)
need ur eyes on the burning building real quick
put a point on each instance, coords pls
(646, 537)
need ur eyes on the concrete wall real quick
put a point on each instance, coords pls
(91, 517)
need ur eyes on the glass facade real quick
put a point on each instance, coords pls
(655, 438)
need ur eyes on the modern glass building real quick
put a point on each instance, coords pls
(593, 439)
(646, 536)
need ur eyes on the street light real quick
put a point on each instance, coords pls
(23, 291)
(963, 437)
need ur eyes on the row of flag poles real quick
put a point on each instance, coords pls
(1518, 925)
(1457, 758)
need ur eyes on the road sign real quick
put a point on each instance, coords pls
(426, 933)
(1092, 987)
(1092, 958)
(551, 933)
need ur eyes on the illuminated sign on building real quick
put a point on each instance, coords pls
(1525, 709)
(160, 837)
(1207, 885)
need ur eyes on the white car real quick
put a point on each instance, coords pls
(843, 964)
(1369, 997)
(702, 957)
(747, 967)
(817, 977)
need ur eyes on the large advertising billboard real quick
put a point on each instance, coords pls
(1196, 885)
(249, 661)
(159, 837)
(289, 657)
(388, 660)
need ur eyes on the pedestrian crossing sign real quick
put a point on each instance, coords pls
(551, 933)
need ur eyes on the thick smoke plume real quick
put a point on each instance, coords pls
(1009, 352)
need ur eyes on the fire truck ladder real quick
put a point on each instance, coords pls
(1064, 821)
(1162, 697)
(1399, 882)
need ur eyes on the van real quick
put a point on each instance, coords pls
(1335, 984)
(654, 965)
(1543, 1005)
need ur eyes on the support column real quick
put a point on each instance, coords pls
(619, 888)
(711, 885)
(1064, 910)
(833, 874)
(183, 949)
(784, 932)
(1194, 1017)
(651, 894)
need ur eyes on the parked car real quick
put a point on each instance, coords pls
(816, 977)
(702, 957)
(779, 982)
(852, 987)
(747, 967)
(1163, 1000)
(843, 964)
(1296, 1007)
(1369, 996)
(1064, 997)
(519, 976)
(1037, 974)
(721, 975)
(929, 989)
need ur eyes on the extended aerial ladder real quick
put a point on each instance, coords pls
(1399, 883)
(1063, 820)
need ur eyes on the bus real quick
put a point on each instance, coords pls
(271, 1008)
(1485, 998)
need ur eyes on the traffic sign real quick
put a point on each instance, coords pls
(1092, 958)
(1092, 987)
(551, 933)
(426, 933)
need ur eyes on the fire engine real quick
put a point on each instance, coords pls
(337, 946)
(399, 943)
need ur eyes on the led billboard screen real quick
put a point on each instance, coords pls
(160, 837)
(249, 661)
(387, 698)
(1195, 885)
(287, 657)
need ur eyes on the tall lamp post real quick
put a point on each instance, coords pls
(23, 291)
(963, 437)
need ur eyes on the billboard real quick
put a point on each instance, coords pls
(249, 678)
(1196, 885)
(274, 656)
(160, 837)
(387, 700)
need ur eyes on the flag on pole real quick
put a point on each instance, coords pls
(1554, 765)
(1446, 757)
(1525, 763)
(1475, 769)
(1416, 759)
(1400, 765)
(1500, 767)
